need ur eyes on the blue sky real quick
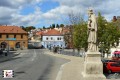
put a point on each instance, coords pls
(48, 5)
(41, 13)
(44, 6)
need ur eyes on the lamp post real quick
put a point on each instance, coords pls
(115, 45)
(7, 49)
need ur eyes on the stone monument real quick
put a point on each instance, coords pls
(93, 67)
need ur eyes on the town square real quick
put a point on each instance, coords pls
(59, 40)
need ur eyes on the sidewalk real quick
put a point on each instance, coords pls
(73, 69)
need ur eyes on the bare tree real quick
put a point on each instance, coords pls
(74, 19)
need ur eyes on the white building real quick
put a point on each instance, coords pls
(53, 38)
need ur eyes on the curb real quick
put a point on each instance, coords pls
(59, 75)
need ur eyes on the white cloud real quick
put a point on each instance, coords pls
(10, 10)
(108, 8)
(27, 20)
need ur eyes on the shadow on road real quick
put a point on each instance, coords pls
(10, 56)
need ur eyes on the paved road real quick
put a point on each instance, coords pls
(33, 65)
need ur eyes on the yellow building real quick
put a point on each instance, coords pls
(13, 37)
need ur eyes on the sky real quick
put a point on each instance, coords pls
(41, 13)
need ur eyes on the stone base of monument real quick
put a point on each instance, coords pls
(93, 67)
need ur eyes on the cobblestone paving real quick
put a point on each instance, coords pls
(113, 76)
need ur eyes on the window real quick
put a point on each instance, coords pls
(51, 38)
(115, 65)
(58, 38)
(7, 36)
(15, 36)
(21, 36)
(46, 38)
(0, 36)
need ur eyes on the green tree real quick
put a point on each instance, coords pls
(74, 19)
(23, 27)
(80, 36)
(57, 26)
(61, 25)
(29, 28)
(44, 27)
(53, 26)
(108, 34)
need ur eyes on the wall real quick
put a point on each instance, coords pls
(23, 41)
(53, 42)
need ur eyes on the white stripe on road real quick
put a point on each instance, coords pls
(59, 75)
(34, 55)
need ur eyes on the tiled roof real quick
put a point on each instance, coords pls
(52, 32)
(39, 33)
(11, 29)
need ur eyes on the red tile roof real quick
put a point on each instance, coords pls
(39, 33)
(52, 32)
(11, 29)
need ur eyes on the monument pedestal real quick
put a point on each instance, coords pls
(93, 67)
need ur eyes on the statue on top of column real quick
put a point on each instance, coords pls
(92, 31)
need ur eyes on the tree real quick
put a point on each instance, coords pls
(108, 34)
(23, 27)
(74, 19)
(44, 27)
(80, 36)
(61, 25)
(53, 26)
(57, 26)
(29, 28)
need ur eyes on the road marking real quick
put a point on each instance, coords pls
(34, 55)
(59, 75)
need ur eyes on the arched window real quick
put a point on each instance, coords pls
(3, 45)
(17, 45)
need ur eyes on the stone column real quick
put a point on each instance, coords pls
(93, 67)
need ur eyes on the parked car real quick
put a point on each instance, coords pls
(116, 55)
(105, 64)
(113, 67)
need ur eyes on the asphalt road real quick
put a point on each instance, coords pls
(33, 65)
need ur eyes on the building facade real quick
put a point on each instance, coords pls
(53, 38)
(13, 37)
